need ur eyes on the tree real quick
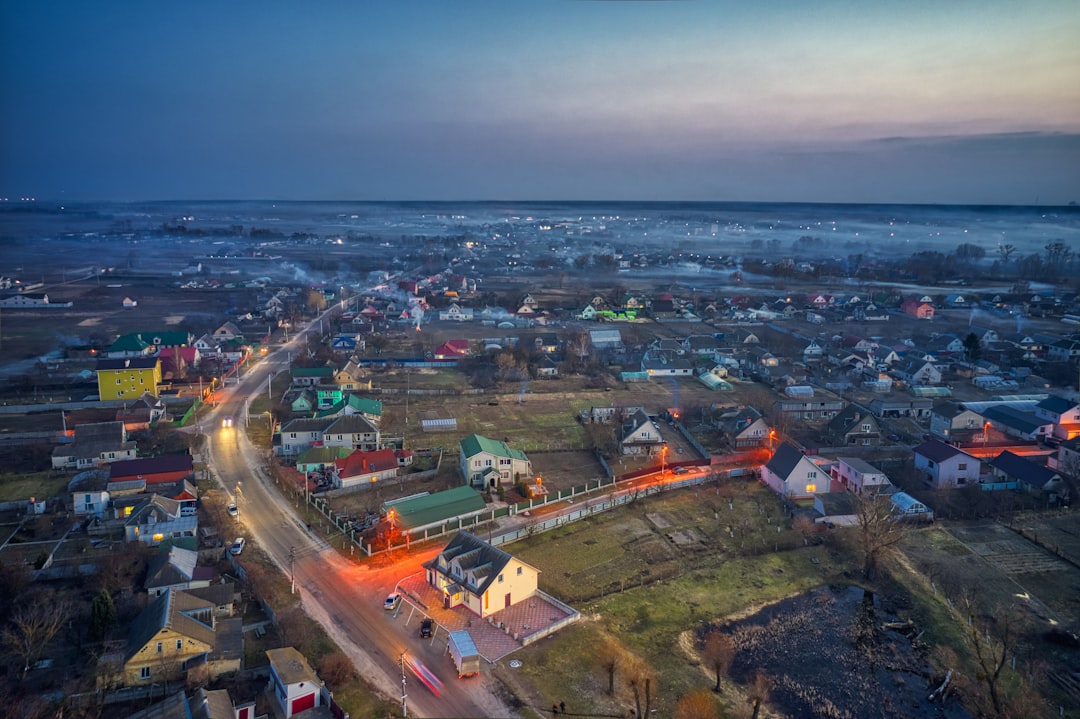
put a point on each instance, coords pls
(718, 651)
(992, 639)
(102, 615)
(32, 626)
(759, 691)
(972, 346)
(878, 528)
(641, 687)
(336, 669)
(1005, 251)
(610, 661)
(697, 705)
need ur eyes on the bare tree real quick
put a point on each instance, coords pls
(759, 690)
(992, 639)
(641, 687)
(33, 625)
(336, 669)
(718, 651)
(879, 528)
(610, 661)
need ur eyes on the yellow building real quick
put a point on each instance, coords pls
(473, 574)
(128, 377)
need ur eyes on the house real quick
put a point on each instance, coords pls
(139, 414)
(1028, 476)
(1063, 350)
(483, 579)
(90, 503)
(346, 344)
(858, 475)
(640, 434)
(227, 331)
(487, 462)
(351, 377)
(179, 635)
(944, 344)
(918, 309)
(177, 361)
(809, 408)
(303, 402)
(605, 340)
(793, 475)
(837, 508)
(154, 519)
(295, 685)
(854, 425)
(1013, 421)
(456, 313)
(452, 349)
(311, 376)
(95, 444)
(363, 469)
(155, 470)
(944, 466)
(662, 364)
(744, 428)
(318, 459)
(1064, 413)
(953, 422)
(208, 346)
(351, 430)
(917, 372)
(894, 407)
(174, 567)
(128, 377)
(300, 434)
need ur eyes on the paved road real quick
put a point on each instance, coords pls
(345, 597)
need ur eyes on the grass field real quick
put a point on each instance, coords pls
(16, 487)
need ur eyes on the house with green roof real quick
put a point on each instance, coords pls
(369, 408)
(487, 462)
(136, 344)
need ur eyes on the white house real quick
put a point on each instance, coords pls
(857, 474)
(486, 462)
(640, 434)
(944, 466)
(456, 313)
(793, 475)
(92, 503)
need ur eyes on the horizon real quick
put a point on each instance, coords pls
(970, 104)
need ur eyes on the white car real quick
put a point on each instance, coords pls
(233, 511)
(237, 545)
(392, 601)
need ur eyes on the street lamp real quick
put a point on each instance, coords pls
(663, 461)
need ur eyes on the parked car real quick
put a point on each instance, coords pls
(233, 511)
(426, 628)
(392, 601)
(237, 545)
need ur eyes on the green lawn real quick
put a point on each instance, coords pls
(15, 487)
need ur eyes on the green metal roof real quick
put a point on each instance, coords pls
(323, 455)
(129, 343)
(432, 508)
(366, 405)
(474, 444)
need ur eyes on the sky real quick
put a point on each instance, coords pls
(831, 101)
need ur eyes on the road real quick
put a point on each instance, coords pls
(345, 597)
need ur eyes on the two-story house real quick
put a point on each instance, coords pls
(487, 462)
(484, 579)
(854, 425)
(944, 466)
(640, 434)
(1064, 413)
(857, 475)
(952, 422)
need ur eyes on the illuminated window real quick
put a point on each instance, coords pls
(158, 537)
(811, 488)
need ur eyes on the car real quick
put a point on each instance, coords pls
(237, 545)
(426, 628)
(233, 511)
(392, 601)
(226, 422)
(680, 470)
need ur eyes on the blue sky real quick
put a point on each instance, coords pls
(834, 101)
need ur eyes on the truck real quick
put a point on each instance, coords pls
(462, 650)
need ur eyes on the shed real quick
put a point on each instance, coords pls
(419, 513)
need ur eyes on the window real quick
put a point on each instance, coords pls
(866, 428)
(500, 579)
(144, 673)
(179, 644)
(160, 646)
(811, 475)
(520, 571)
(811, 488)
(962, 466)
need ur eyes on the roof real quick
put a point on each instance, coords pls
(859, 465)
(1025, 422)
(129, 468)
(1056, 404)
(431, 508)
(312, 372)
(171, 565)
(307, 425)
(476, 558)
(475, 444)
(784, 460)
(937, 451)
(365, 405)
(1023, 469)
(351, 424)
(323, 455)
(360, 462)
(836, 503)
(291, 666)
(173, 610)
(122, 363)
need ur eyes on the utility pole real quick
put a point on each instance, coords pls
(292, 577)
(404, 708)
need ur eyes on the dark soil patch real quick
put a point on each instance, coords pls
(829, 654)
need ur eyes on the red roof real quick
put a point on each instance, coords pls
(452, 348)
(360, 462)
